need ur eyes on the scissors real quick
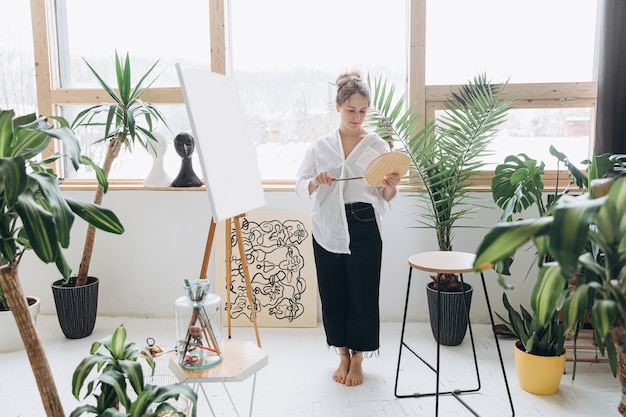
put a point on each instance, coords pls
(191, 359)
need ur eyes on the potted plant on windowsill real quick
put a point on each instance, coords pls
(127, 121)
(444, 156)
(35, 215)
(584, 234)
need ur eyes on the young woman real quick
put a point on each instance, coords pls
(345, 223)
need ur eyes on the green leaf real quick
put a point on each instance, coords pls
(505, 238)
(63, 216)
(99, 216)
(118, 342)
(116, 380)
(14, 178)
(6, 132)
(82, 371)
(39, 226)
(568, 235)
(134, 372)
(603, 316)
(547, 292)
(576, 306)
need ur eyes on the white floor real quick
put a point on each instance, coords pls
(297, 381)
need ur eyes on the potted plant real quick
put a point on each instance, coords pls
(539, 349)
(35, 215)
(117, 371)
(11, 339)
(585, 236)
(444, 156)
(517, 185)
(127, 121)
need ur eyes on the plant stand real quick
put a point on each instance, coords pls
(241, 360)
(452, 263)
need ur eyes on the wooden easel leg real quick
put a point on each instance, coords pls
(246, 276)
(207, 250)
(229, 271)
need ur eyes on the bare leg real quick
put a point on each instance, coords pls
(344, 365)
(355, 372)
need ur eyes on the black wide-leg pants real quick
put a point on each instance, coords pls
(349, 284)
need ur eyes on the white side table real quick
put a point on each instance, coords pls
(241, 360)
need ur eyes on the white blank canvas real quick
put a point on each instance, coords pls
(226, 154)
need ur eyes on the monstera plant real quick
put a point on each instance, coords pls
(35, 215)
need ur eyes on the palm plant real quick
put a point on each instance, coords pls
(122, 128)
(35, 215)
(445, 154)
(118, 367)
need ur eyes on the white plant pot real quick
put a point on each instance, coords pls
(11, 339)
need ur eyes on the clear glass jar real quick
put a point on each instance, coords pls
(199, 326)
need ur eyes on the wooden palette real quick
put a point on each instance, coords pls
(387, 163)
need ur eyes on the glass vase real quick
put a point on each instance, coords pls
(199, 326)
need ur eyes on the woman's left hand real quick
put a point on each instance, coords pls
(390, 182)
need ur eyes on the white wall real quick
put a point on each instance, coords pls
(141, 271)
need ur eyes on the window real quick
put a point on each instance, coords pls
(287, 54)
(532, 41)
(170, 32)
(17, 68)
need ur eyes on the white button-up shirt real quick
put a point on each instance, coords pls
(328, 217)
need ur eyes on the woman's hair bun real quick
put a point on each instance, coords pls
(346, 77)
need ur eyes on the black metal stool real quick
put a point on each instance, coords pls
(450, 263)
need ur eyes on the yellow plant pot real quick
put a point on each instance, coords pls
(538, 374)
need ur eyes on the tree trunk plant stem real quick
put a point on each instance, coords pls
(113, 151)
(36, 353)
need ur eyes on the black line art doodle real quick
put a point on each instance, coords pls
(275, 263)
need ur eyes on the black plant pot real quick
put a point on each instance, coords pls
(453, 314)
(77, 307)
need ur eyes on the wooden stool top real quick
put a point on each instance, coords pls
(241, 360)
(446, 262)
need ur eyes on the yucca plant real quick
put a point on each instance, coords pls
(127, 121)
(585, 233)
(118, 370)
(35, 215)
(445, 154)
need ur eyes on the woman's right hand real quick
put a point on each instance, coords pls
(323, 178)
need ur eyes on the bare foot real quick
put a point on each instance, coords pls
(355, 372)
(344, 365)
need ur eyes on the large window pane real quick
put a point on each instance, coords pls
(17, 68)
(532, 41)
(287, 54)
(533, 131)
(147, 29)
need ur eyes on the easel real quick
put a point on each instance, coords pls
(229, 275)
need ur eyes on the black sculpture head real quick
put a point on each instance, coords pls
(184, 145)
